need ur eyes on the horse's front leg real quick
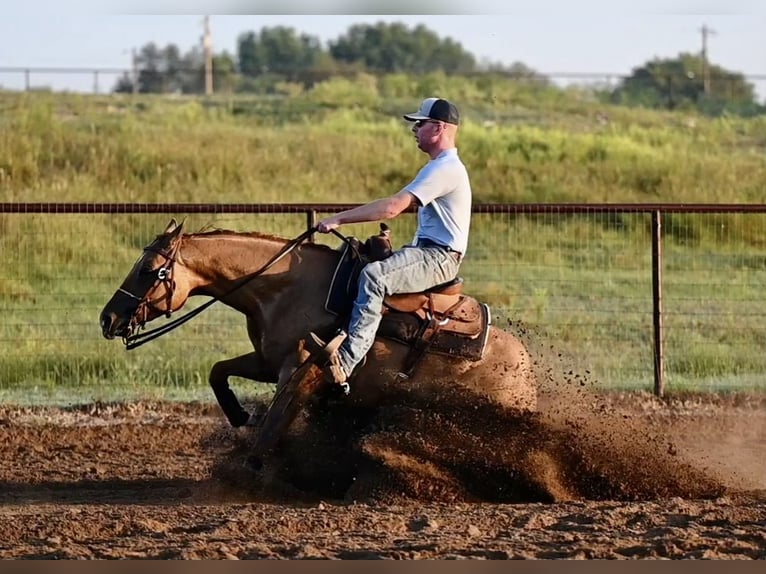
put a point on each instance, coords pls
(291, 363)
(248, 366)
(299, 378)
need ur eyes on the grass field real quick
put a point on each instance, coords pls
(581, 284)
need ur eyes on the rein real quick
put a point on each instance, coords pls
(138, 339)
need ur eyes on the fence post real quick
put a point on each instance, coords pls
(311, 216)
(659, 358)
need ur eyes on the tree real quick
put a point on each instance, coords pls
(679, 82)
(191, 76)
(149, 64)
(278, 50)
(161, 70)
(224, 73)
(393, 48)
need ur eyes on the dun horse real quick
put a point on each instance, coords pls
(283, 299)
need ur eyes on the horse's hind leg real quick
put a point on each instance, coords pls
(248, 366)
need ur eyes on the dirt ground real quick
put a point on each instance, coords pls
(623, 476)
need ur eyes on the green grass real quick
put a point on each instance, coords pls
(580, 283)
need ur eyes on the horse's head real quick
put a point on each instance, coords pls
(149, 290)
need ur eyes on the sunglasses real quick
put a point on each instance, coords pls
(420, 123)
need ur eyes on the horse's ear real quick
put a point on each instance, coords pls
(174, 228)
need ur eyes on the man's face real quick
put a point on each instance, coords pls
(427, 133)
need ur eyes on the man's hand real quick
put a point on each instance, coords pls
(327, 225)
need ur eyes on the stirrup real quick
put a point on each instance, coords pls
(326, 355)
(324, 351)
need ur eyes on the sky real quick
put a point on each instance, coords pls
(554, 37)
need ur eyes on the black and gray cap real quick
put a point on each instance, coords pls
(435, 109)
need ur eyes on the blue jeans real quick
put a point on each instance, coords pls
(408, 270)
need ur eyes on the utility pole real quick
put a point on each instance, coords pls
(207, 47)
(705, 64)
(134, 69)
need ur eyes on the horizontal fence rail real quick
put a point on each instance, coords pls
(661, 296)
(255, 208)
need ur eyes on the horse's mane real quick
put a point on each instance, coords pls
(218, 232)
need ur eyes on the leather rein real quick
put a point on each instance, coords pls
(165, 277)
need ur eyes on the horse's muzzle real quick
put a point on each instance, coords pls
(111, 326)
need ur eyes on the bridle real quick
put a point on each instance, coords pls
(164, 276)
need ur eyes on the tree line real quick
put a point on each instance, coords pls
(269, 61)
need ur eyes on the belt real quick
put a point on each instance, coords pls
(429, 243)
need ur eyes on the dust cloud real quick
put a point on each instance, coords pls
(582, 444)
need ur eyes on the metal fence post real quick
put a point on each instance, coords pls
(311, 216)
(659, 358)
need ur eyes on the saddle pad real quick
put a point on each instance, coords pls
(342, 292)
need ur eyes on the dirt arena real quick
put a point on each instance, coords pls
(624, 476)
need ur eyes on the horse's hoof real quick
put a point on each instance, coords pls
(254, 463)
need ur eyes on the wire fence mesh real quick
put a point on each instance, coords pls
(576, 280)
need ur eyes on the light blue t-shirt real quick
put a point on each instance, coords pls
(444, 190)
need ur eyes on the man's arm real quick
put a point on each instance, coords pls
(378, 210)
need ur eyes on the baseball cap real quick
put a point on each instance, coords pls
(436, 109)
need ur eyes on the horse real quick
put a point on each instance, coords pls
(281, 287)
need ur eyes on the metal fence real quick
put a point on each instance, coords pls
(660, 297)
(95, 80)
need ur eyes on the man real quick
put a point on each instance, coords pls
(442, 193)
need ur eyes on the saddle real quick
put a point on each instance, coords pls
(439, 320)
